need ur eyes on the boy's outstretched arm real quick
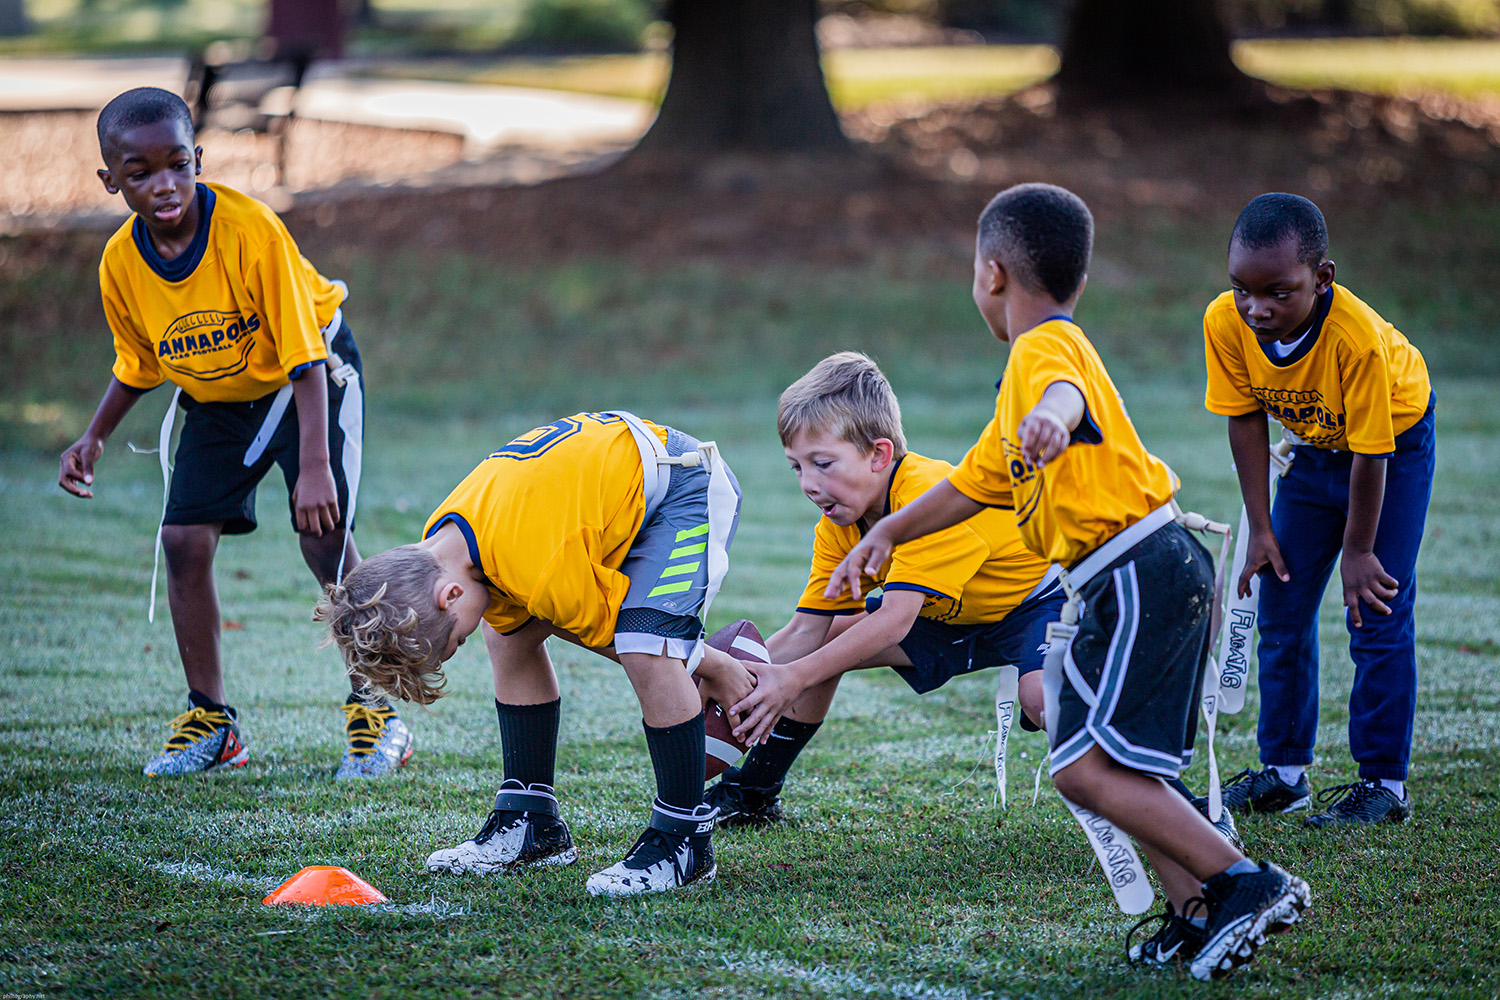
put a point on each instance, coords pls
(75, 472)
(315, 497)
(1250, 443)
(779, 685)
(1364, 578)
(1048, 429)
(940, 507)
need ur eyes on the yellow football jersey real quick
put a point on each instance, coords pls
(231, 319)
(973, 572)
(1104, 482)
(549, 519)
(1352, 385)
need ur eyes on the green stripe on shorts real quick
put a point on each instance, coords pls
(702, 529)
(688, 550)
(670, 588)
(679, 570)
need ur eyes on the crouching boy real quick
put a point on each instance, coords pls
(962, 599)
(605, 531)
(1062, 453)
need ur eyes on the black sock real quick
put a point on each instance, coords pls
(528, 741)
(200, 700)
(677, 757)
(770, 761)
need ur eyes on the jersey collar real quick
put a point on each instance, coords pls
(1309, 340)
(183, 265)
(890, 487)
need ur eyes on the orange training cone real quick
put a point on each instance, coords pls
(325, 885)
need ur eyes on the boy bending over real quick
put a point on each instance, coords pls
(1354, 393)
(595, 529)
(1062, 453)
(962, 599)
(204, 287)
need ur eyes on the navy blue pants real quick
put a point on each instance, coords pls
(1308, 517)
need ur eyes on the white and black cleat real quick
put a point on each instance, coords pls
(676, 850)
(525, 830)
(1242, 910)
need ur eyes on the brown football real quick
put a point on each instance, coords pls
(742, 641)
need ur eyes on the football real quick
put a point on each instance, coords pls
(741, 640)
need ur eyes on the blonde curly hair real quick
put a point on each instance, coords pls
(387, 626)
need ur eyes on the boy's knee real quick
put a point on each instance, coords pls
(1078, 782)
(322, 551)
(188, 546)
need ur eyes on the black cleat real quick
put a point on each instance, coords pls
(1362, 803)
(1263, 791)
(676, 850)
(523, 831)
(1242, 910)
(1176, 940)
(744, 805)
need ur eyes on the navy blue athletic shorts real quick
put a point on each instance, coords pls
(940, 651)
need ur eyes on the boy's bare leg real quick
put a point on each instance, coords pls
(1182, 844)
(193, 597)
(522, 669)
(321, 553)
(664, 687)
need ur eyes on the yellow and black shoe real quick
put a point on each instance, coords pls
(204, 738)
(379, 741)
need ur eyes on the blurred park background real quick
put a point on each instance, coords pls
(678, 206)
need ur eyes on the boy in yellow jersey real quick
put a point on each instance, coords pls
(1062, 453)
(204, 287)
(1288, 341)
(957, 601)
(599, 529)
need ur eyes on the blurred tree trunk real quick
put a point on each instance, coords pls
(308, 27)
(1134, 49)
(12, 18)
(745, 77)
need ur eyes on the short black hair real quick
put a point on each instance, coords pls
(141, 106)
(1043, 234)
(1272, 219)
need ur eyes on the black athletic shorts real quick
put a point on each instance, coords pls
(212, 481)
(940, 651)
(1134, 671)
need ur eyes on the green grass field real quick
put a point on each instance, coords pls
(899, 876)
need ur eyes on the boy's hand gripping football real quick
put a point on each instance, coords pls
(725, 680)
(75, 472)
(776, 688)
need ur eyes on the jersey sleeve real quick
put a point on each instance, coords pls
(1228, 393)
(505, 617)
(1367, 405)
(1042, 358)
(278, 283)
(828, 552)
(135, 359)
(941, 563)
(984, 476)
